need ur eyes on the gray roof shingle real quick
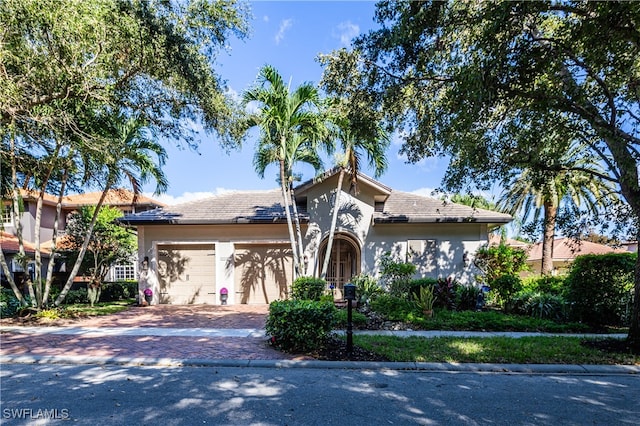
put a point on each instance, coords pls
(404, 207)
(231, 207)
(266, 207)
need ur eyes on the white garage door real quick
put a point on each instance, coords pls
(263, 273)
(187, 274)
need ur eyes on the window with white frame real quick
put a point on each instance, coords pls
(7, 214)
(124, 272)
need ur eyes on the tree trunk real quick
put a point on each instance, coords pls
(16, 219)
(296, 220)
(54, 239)
(550, 213)
(334, 223)
(292, 239)
(83, 249)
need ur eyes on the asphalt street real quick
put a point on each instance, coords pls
(93, 394)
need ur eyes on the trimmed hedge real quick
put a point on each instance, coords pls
(300, 325)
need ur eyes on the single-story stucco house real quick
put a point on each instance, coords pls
(240, 242)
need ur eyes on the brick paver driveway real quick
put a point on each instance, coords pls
(165, 316)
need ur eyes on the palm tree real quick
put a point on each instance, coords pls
(129, 157)
(374, 145)
(576, 182)
(288, 122)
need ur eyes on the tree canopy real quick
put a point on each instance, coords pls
(65, 63)
(480, 82)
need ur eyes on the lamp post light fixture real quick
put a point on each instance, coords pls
(350, 296)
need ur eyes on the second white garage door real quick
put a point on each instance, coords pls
(187, 273)
(263, 273)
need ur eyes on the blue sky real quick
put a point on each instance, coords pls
(287, 35)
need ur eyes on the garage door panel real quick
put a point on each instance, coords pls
(263, 273)
(187, 274)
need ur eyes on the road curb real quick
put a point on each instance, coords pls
(318, 364)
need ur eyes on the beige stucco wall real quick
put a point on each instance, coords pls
(224, 238)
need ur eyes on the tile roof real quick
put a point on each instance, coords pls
(10, 244)
(266, 207)
(404, 207)
(115, 197)
(231, 207)
(568, 249)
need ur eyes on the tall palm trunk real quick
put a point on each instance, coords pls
(550, 214)
(292, 239)
(334, 223)
(296, 220)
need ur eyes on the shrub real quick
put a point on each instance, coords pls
(445, 291)
(9, 304)
(367, 288)
(426, 299)
(76, 296)
(50, 314)
(308, 288)
(496, 261)
(358, 319)
(539, 305)
(394, 308)
(118, 290)
(544, 284)
(467, 297)
(396, 275)
(505, 287)
(416, 284)
(599, 288)
(300, 325)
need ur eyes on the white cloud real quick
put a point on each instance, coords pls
(284, 26)
(345, 32)
(187, 196)
(265, 18)
(233, 94)
(427, 192)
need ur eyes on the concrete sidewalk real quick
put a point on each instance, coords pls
(257, 332)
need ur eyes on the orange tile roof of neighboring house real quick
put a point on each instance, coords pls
(115, 197)
(494, 240)
(568, 249)
(10, 244)
(48, 198)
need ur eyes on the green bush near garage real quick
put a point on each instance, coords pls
(300, 325)
(308, 288)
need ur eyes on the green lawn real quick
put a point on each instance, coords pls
(525, 350)
(102, 308)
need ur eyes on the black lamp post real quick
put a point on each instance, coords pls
(350, 296)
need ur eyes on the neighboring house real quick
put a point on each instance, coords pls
(631, 246)
(565, 250)
(239, 241)
(119, 198)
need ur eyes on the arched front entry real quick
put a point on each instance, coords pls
(344, 262)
